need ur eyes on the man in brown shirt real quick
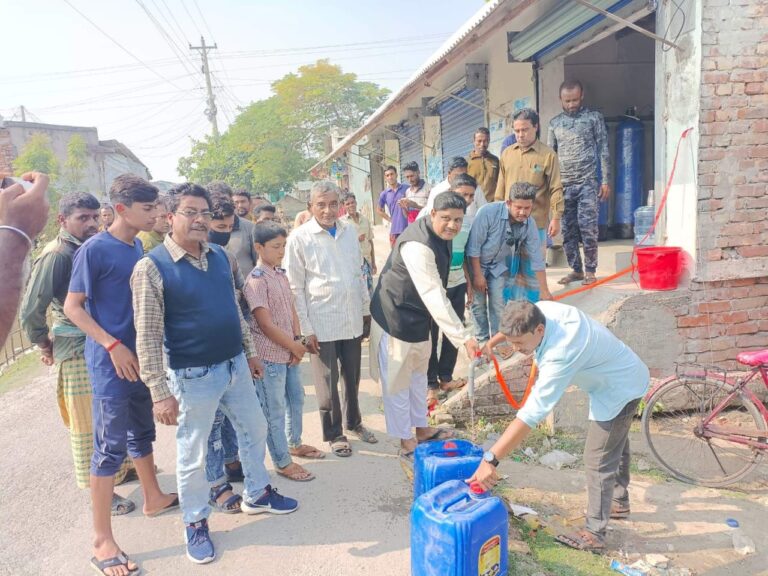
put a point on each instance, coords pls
(528, 160)
(484, 166)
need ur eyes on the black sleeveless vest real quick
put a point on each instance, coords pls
(396, 305)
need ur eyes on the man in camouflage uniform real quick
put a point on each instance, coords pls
(579, 137)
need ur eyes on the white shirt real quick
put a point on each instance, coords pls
(326, 277)
(420, 262)
(444, 186)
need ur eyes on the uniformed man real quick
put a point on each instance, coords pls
(579, 137)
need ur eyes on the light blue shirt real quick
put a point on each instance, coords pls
(488, 240)
(577, 350)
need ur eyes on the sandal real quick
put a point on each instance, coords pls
(439, 434)
(364, 434)
(299, 473)
(304, 451)
(172, 506)
(231, 505)
(582, 540)
(619, 512)
(120, 560)
(341, 448)
(572, 277)
(121, 506)
(589, 278)
(453, 385)
(406, 456)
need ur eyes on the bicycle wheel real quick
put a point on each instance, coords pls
(671, 426)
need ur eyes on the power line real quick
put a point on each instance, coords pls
(210, 112)
(205, 22)
(123, 48)
(180, 55)
(194, 23)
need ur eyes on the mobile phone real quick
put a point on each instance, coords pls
(10, 181)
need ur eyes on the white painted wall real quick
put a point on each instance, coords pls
(359, 177)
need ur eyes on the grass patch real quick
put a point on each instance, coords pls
(555, 558)
(20, 372)
(654, 473)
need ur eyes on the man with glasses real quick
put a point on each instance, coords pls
(184, 302)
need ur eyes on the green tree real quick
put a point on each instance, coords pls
(37, 156)
(76, 164)
(273, 142)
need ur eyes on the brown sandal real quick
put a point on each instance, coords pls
(619, 512)
(589, 278)
(453, 385)
(309, 452)
(572, 277)
(582, 540)
(298, 473)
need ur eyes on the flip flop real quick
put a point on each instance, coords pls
(297, 476)
(172, 506)
(453, 385)
(589, 279)
(364, 434)
(308, 452)
(121, 506)
(582, 540)
(407, 456)
(120, 560)
(572, 277)
(440, 434)
(341, 448)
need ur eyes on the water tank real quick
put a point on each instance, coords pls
(629, 175)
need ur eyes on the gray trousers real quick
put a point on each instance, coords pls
(338, 360)
(606, 460)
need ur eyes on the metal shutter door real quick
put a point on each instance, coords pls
(459, 121)
(411, 148)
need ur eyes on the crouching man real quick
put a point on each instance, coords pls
(571, 348)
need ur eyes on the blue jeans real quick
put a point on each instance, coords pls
(200, 391)
(294, 400)
(222, 449)
(272, 390)
(487, 308)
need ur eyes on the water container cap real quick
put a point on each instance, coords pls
(476, 488)
(732, 522)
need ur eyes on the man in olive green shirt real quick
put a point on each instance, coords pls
(482, 165)
(64, 346)
(155, 237)
(528, 160)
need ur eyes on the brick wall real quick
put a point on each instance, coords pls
(7, 151)
(728, 309)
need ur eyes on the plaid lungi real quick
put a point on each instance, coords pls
(74, 395)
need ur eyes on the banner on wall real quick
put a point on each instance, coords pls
(433, 150)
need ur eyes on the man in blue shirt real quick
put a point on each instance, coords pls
(390, 199)
(571, 348)
(499, 232)
(99, 303)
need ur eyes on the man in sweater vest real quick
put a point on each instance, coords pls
(410, 295)
(184, 301)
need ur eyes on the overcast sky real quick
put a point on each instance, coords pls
(137, 81)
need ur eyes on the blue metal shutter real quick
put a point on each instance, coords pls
(458, 122)
(411, 148)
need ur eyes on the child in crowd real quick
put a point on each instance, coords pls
(277, 338)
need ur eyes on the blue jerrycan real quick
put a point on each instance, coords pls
(442, 460)
(458, 530)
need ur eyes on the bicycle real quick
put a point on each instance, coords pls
(705, 428)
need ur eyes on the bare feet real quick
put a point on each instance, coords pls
(430, 433)
(108, 548)
(432, 396)
(409, 445)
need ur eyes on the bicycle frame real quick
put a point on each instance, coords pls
(738, 436)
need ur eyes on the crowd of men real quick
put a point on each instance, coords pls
(195, 309)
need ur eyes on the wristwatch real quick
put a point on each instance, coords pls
(490, 457)
(301, 339)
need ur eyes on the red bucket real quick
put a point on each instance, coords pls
(659, 267)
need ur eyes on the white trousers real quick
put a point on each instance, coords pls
(406, 408)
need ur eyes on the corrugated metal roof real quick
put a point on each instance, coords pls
(433, 60)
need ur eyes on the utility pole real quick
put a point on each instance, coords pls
(23, 114)
(210, 111)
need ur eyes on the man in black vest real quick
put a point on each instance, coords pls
(410, 296)
(184, 301)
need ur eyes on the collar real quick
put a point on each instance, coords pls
(236, 225)
(67, 237)
(315, 228)
(262, 270)
(474, 155)
(177, 252)
(536, 146)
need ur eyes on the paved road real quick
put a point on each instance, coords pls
(353, 518)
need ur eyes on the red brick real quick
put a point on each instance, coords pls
(753, 88)
(741, 76)
(714, 255)
(724, 89)
(738, 282)
(713, 307)
(752, 251)
(763, 325)
(715, 357)
(747, 112)
(738, 228)
(712, 153)
(722, 77)
(742, 328)
(730, 317)
(693, 321)
(715, 128)
(752, 341)
(758, 313)
(703, 332)
(759, 152)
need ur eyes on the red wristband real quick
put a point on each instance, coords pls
(113, 345)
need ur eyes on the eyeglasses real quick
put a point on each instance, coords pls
(194, 214)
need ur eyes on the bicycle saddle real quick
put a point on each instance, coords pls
(753, 358)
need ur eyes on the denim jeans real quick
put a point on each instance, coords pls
(273, 390)
(294, 400)
(487, 308)
(200, 391)
(222, 449)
